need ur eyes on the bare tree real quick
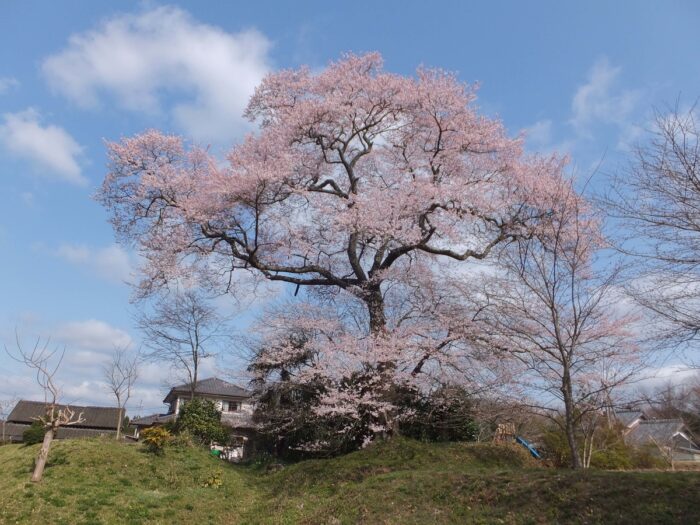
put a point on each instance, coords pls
(183, 329)
(674, 400)
(120, 374)
(5, 409)
(45, 363)
(657, 204)
(556, 311)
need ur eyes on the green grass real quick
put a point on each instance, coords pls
(402, 482)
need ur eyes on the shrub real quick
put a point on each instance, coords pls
(202, 419)
(648, 457)
(445, 415)
(616, 457)
(214, 481)
(611, 452)
(261, 460)
(554, 447)
(34, 434)
(184, 439)
(156, 439)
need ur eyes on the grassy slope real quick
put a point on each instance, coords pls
(100, 481)
(399, 482)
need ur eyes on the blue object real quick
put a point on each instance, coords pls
(528, 446)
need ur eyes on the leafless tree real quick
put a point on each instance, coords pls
(45, 363)
(120, 374)
(556, 312)
(5, 409)
(673, 400)
(183, 329)
(656, 204)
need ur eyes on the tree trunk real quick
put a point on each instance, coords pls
(569, 420)
(119, 422)
(43, 455)
(375, 307)
(377, 325)
(195, 370)
(588, 449)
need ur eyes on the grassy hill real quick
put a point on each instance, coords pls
(98, 481)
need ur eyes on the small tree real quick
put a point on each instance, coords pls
(556, 311)
(445, 415)
(672, 400)
(6, 406)
(155, 439)
(120, 374)
(45, 363)
(34, 434)
(202, 419)
(183, 330)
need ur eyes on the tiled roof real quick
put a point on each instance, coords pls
(26, 412)
(658, 431)
(14, 432)
(153, 419)
(627, 417)
(212, 386)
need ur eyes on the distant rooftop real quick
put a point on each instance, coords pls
(627, 417)
(212, 386)
(658, 431)
(104, 418)
(153, 419)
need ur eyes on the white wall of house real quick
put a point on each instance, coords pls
(222, 405)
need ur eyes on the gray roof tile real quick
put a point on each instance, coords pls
(153, 419)
(627, 417)
(212, 386)
(659, 431)
(26, 412)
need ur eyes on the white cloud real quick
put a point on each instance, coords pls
(48, 147)
(88, 346)
(110, 262)
(143, 401)
(539, 137)
(83, 387)
(139, 58)
(539, 134)
(599, 108)
(91, 335)
(7, 84)
(675, 375)
(599, 101)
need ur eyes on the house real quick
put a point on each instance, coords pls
(629, 418)
(232, 400)
(670, 437)
(97, 421)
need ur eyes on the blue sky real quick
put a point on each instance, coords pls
(578, 77)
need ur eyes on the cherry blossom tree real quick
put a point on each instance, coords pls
(357, 187)
(558, 311)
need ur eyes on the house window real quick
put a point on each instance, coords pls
(232, 406)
